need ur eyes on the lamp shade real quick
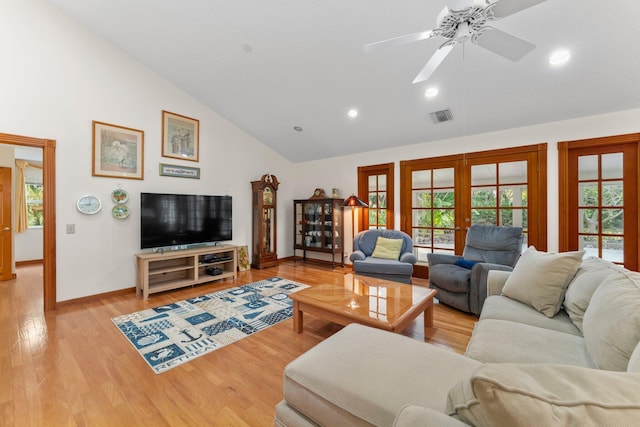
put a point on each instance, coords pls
(353, 201)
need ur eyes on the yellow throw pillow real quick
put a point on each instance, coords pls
(387, 248)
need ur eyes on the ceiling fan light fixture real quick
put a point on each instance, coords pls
(559, 57)
(353, 113)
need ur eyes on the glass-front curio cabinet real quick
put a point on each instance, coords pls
(264, 221)
(318, 227)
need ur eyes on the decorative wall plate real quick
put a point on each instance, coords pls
(89, 205)
(119, 196)
(120, 211)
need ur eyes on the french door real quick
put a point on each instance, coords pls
(442, 197)
(599, 198)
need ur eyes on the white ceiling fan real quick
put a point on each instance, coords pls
(463, 20)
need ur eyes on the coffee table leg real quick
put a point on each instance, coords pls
(297, 318)
(428, 316)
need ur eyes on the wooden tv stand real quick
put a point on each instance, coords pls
(163, 271)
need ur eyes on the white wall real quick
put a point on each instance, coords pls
(56, 79)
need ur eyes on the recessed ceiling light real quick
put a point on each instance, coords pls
(431, 92)
(353, 113)
(559, 57)
(297, 128)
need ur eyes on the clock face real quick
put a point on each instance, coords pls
(89, 205)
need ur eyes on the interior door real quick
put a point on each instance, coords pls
(5, 225)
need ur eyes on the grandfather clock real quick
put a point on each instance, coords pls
(264, 221)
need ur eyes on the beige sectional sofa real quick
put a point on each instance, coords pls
(557, 343)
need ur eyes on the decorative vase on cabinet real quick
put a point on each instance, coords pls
(318, 227)
(264, 221)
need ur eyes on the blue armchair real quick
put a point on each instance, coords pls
(461, 281)
(397, 270)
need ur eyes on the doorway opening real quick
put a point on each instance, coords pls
(48, 147)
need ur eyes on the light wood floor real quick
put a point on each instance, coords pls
(72, 367)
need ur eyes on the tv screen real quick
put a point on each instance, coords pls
(183, 219)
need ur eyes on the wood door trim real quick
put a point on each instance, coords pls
(49, 210)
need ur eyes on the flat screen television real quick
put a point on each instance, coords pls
(183, 219)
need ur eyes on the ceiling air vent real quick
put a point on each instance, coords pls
(441, 116)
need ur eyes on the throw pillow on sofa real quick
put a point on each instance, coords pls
(540, 394)
(540, 279)
(387, 248)
(592, 272)
(611, 324)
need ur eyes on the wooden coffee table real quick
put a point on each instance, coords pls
(378, 303)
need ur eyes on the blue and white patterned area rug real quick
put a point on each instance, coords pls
(170, 335)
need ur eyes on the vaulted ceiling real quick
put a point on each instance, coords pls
(272, 66)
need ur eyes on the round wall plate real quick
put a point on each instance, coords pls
(89, 205)
(120, 211)
(119, 196)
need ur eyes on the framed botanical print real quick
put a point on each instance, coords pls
(180, 137)
(118, 151)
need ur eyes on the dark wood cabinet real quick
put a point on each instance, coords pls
(318, 227)
(264, 250)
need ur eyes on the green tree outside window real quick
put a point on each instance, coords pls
(35, 212)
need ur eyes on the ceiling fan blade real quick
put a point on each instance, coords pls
(397, 41)
(503, 8)
(504, 44)
(434, 62)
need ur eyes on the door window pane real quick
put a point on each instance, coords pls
(513, 218)
(421, 179)
(612, 193)
(588, 194)
(587, 167)
(483, 174)
(613, 248)
(613, 221)
(443, 177)
(484, 216)
(372, 183)
(612, 166)
(514, 196)
(513, 172)
(421, 218)
(483, 197)
(421, 199)
(382, 183)
(588, 220)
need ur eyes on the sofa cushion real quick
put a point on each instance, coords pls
(503, 341)
(387, 248)
(450, 277)
(540, 279)
(611, 324)
(376, 265)
(504, 308)
(589, 276)
(342, 381)
(545, 395)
